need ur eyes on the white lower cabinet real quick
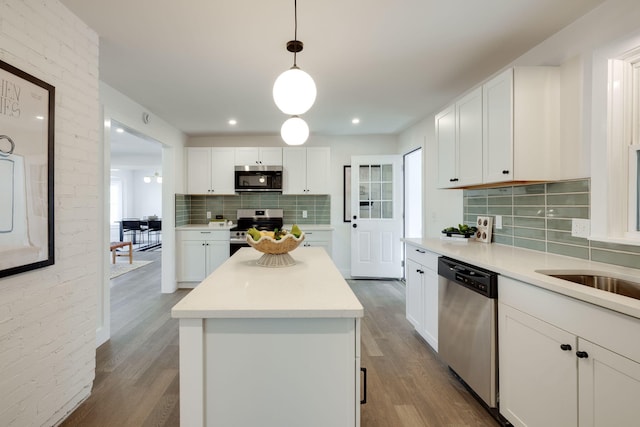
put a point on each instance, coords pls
(422, 283)
(320, 238)
(200, 252)
(551, 371)
(537, 377)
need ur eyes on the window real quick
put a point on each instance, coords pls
(615, 143)
(634, 190)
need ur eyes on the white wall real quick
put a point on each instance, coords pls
(573, 48)
(116, 106)
(47, 316)
(147, 198)
(342, 148)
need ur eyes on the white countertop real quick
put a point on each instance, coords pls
(239, 288)
(523, 264)
(303, 227)
(205, 227)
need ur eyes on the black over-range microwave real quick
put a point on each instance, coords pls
(258, 178)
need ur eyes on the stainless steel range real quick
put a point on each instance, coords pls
(262, 219)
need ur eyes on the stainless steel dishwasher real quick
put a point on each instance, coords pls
(467, 326)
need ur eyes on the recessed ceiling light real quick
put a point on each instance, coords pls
(120, 130)
(355, 121)
(233, 122)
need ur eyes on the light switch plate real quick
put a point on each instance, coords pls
(580, 227)
(304, 214)
(208, 215)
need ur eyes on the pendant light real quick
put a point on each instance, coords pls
(294, 92)
(294, 131)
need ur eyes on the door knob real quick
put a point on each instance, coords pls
(355, 225)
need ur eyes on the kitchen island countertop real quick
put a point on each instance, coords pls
(239, 288)
(524, 264)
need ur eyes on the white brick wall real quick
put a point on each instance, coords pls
(48, 316)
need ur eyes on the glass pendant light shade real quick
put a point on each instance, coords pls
(294, 91)
(294, 131)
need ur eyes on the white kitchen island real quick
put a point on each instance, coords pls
(270, 346)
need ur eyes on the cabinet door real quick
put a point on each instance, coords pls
(222, 170)
(271, 156)
(198, 170)
(609, 386)
(191, 266)
(430, 307)
(446, 139)
(469, 138)
(538, 378)
(414, 295)
(498, 128)
(318, 176)
(247, 156)
(294, 170)
(217, 252)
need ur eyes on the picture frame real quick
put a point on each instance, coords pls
(27, 112)
(346, 207)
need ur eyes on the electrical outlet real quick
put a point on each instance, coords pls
(208, 215)
(580, 227)
(498, 223)
(304, 214)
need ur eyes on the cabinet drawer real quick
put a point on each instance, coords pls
(317, 236)
(203, 234)
(421, 256)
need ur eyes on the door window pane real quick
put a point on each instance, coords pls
(387, 173)
(376, 191)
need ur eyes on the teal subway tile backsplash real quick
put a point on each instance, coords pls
(538, 217)
(192, 209)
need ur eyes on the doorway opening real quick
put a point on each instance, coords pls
(412, 227)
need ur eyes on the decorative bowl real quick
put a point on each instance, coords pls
(276, 252)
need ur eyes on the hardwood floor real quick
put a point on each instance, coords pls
(137, 382)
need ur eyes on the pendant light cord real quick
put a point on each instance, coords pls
(295, 27)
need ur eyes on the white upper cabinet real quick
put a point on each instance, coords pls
(210, 170)
(459, 136)
(266, 156)
(306, 170)
(509, 130)
(446, 137)
(498, 128)
(522, 115)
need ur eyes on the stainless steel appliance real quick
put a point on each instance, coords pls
(262, 219)
(258, 178)
(467, 326)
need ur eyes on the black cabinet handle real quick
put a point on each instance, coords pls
(364, 371)
(565, 347)
(582, 354)
(453, 180)
(421, 251)
(505, 172)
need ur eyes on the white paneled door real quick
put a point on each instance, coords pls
(376, 209)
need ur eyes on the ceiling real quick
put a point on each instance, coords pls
(199, 63)
(133, 151)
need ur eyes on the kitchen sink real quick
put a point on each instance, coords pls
(614, 285)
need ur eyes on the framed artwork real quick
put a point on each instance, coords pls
(26, 171)
(347, 193)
